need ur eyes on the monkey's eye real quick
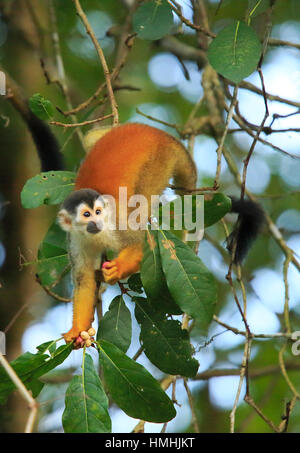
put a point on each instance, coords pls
(86, 214)
(98, 211)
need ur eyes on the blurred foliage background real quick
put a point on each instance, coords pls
(162, 80)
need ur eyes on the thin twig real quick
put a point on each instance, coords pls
(62, 79)
(243, 370)
(50, 292)
(99, 50)
(224, 135)
(84, 123)
(191, 404)
(284, 372)
(247, 160)
(254, 335)
(253, 374)
(271, 97)
(157, 120)
(268, 394)
(269, 422)
(138, 353)
(188, 22)
(241, 122)
(279, 42)
(32, 403)
(288, 327)
(16, 316)
(283, 426)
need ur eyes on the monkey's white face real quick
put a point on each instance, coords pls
(90, 219)
(86, 219)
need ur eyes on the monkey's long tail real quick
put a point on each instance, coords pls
(45, 141)
(250, 222)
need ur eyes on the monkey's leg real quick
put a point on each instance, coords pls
(127, 263)
(83, 302)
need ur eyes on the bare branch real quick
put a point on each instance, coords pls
(99, 50)
(84, 123)
(32, 403)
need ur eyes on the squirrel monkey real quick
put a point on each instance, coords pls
(142, 159)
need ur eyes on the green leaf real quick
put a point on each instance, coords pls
(22, 366)
(41, 107)
(135, 284)
(115, 326)
(48, 346)
(215, 207)
(29, 367)
(152, 275)
(4, 121)
(235, 52)
(57, 357)
(55, 239)
(86, 408)
(51, 187)
(35, 386)
(165, 343)
(190, 283)
(153, 278)
(153, 20)
(132, 387)
(52, 255)
(257, 7)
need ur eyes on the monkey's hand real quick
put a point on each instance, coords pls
(111, 272)
(81, 339)
(127, 263)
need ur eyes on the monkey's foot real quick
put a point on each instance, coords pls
(111, 272)
(84, 338)
(72, 335)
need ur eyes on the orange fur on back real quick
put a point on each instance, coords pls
(121, 157)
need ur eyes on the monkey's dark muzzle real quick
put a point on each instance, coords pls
(93, 228)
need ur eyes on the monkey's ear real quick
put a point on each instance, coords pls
(64, 220)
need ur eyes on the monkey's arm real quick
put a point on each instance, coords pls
(83, 303)
(84, 295)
